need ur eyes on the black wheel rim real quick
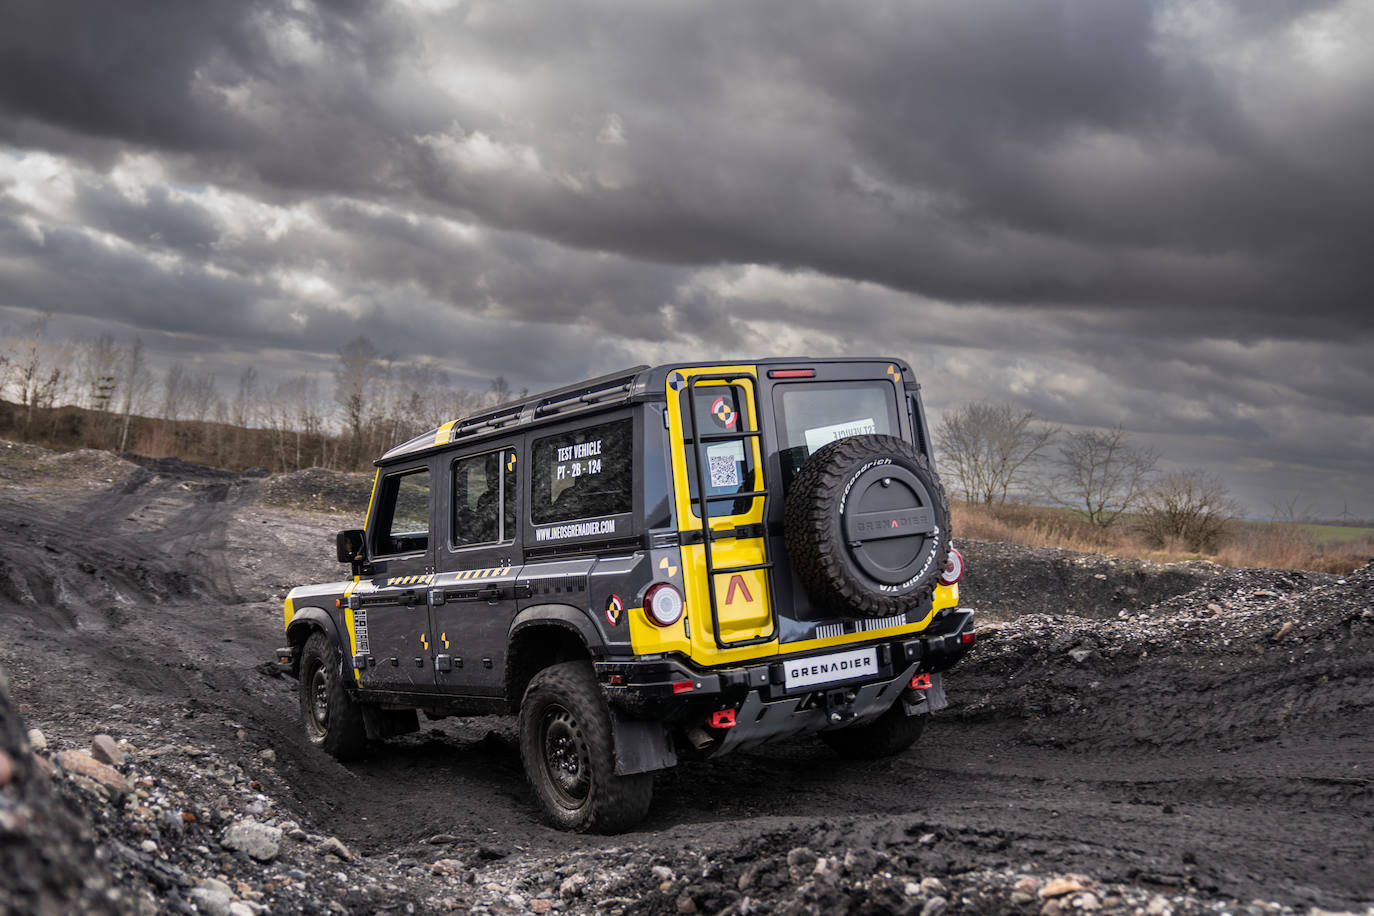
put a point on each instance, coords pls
(566, 758)
(319, 701)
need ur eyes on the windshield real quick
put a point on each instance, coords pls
(812, 414)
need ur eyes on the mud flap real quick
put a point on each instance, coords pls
(641, 746)
(931, 699)
(387, 723)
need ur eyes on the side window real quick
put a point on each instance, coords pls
(584, 473)
(403, 514)
(484, 498)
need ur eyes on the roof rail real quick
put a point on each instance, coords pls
(597, 391)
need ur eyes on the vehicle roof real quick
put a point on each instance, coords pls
(636, 383)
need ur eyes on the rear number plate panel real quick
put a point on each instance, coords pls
(829, 669)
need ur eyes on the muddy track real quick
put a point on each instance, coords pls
(1243, 772)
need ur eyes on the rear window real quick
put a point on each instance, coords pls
(583, 473)
(814, 414)
(728, 463)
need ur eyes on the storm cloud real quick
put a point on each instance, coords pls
(1157, 214)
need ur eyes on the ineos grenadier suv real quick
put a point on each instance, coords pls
(662, 562)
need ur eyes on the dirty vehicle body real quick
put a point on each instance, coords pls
(556, 558)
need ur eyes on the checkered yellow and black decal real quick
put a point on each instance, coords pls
(493, 573)
(410, 580)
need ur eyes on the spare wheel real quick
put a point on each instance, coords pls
(867, 527)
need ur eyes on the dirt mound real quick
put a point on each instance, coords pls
(1005, 581)
(320, 490)
(48, 855)
(1184, 752)
(88, 468)
(1254, 656)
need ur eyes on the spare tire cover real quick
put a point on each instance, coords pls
(867, 527)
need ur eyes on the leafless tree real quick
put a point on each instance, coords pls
(357, 375)
(201, 394)
(990, 448)
(98, 373)
(134, 385)
(1101, 474)
(174, 392)
(1189, 506)
(40, 370)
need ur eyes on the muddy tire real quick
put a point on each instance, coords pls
(332, 720)
(566, 746)
(890, 734)
(867, 527)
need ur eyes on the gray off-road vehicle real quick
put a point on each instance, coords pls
(663, 562)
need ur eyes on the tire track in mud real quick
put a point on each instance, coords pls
(1228, 769)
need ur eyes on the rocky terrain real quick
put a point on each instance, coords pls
(1126, 738)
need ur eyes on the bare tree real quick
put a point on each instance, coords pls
(98, 373)
(990, 448)
(1189, 506)
(39, 371)
(357, 376)
(1101, 474)
(134, 383)
(174, 392)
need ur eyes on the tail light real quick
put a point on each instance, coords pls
(663, 604)
(954, 568)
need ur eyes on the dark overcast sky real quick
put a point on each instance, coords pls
(1159, 214)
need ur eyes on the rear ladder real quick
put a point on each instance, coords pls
(702, 501)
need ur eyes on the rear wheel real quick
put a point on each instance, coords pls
(332, 720)
(890, 734)
(566, 745)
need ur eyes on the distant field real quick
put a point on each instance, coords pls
(1336, 534)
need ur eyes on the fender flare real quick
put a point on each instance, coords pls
(307, 618)
(562, 615)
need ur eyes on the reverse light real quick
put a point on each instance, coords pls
(663, 604)
(954, 568)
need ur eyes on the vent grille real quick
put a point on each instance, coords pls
(884, 622)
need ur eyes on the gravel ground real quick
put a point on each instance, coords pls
(1126, 738)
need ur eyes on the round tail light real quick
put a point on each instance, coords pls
(664, 605)
(954, 568)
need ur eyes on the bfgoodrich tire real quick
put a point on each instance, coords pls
(332, 720)
(867, 527)
(566, 746)
(890, 734)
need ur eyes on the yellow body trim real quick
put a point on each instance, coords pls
(444, 433)
(742, 599)
(745, 609)
(348, 622)
(288, 611)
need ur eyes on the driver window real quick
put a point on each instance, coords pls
(403, 513)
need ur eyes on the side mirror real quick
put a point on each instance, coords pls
(348, 544)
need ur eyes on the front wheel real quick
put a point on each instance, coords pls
(566, 746)
(888, 735)
(332, 720)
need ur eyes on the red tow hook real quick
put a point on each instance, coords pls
(921, 682)
(722, 718)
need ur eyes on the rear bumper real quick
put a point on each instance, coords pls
(760, 706)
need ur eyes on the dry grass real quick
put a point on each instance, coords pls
(1268, 545)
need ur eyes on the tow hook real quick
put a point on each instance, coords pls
(839, 706)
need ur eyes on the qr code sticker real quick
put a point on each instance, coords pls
(724, 471)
